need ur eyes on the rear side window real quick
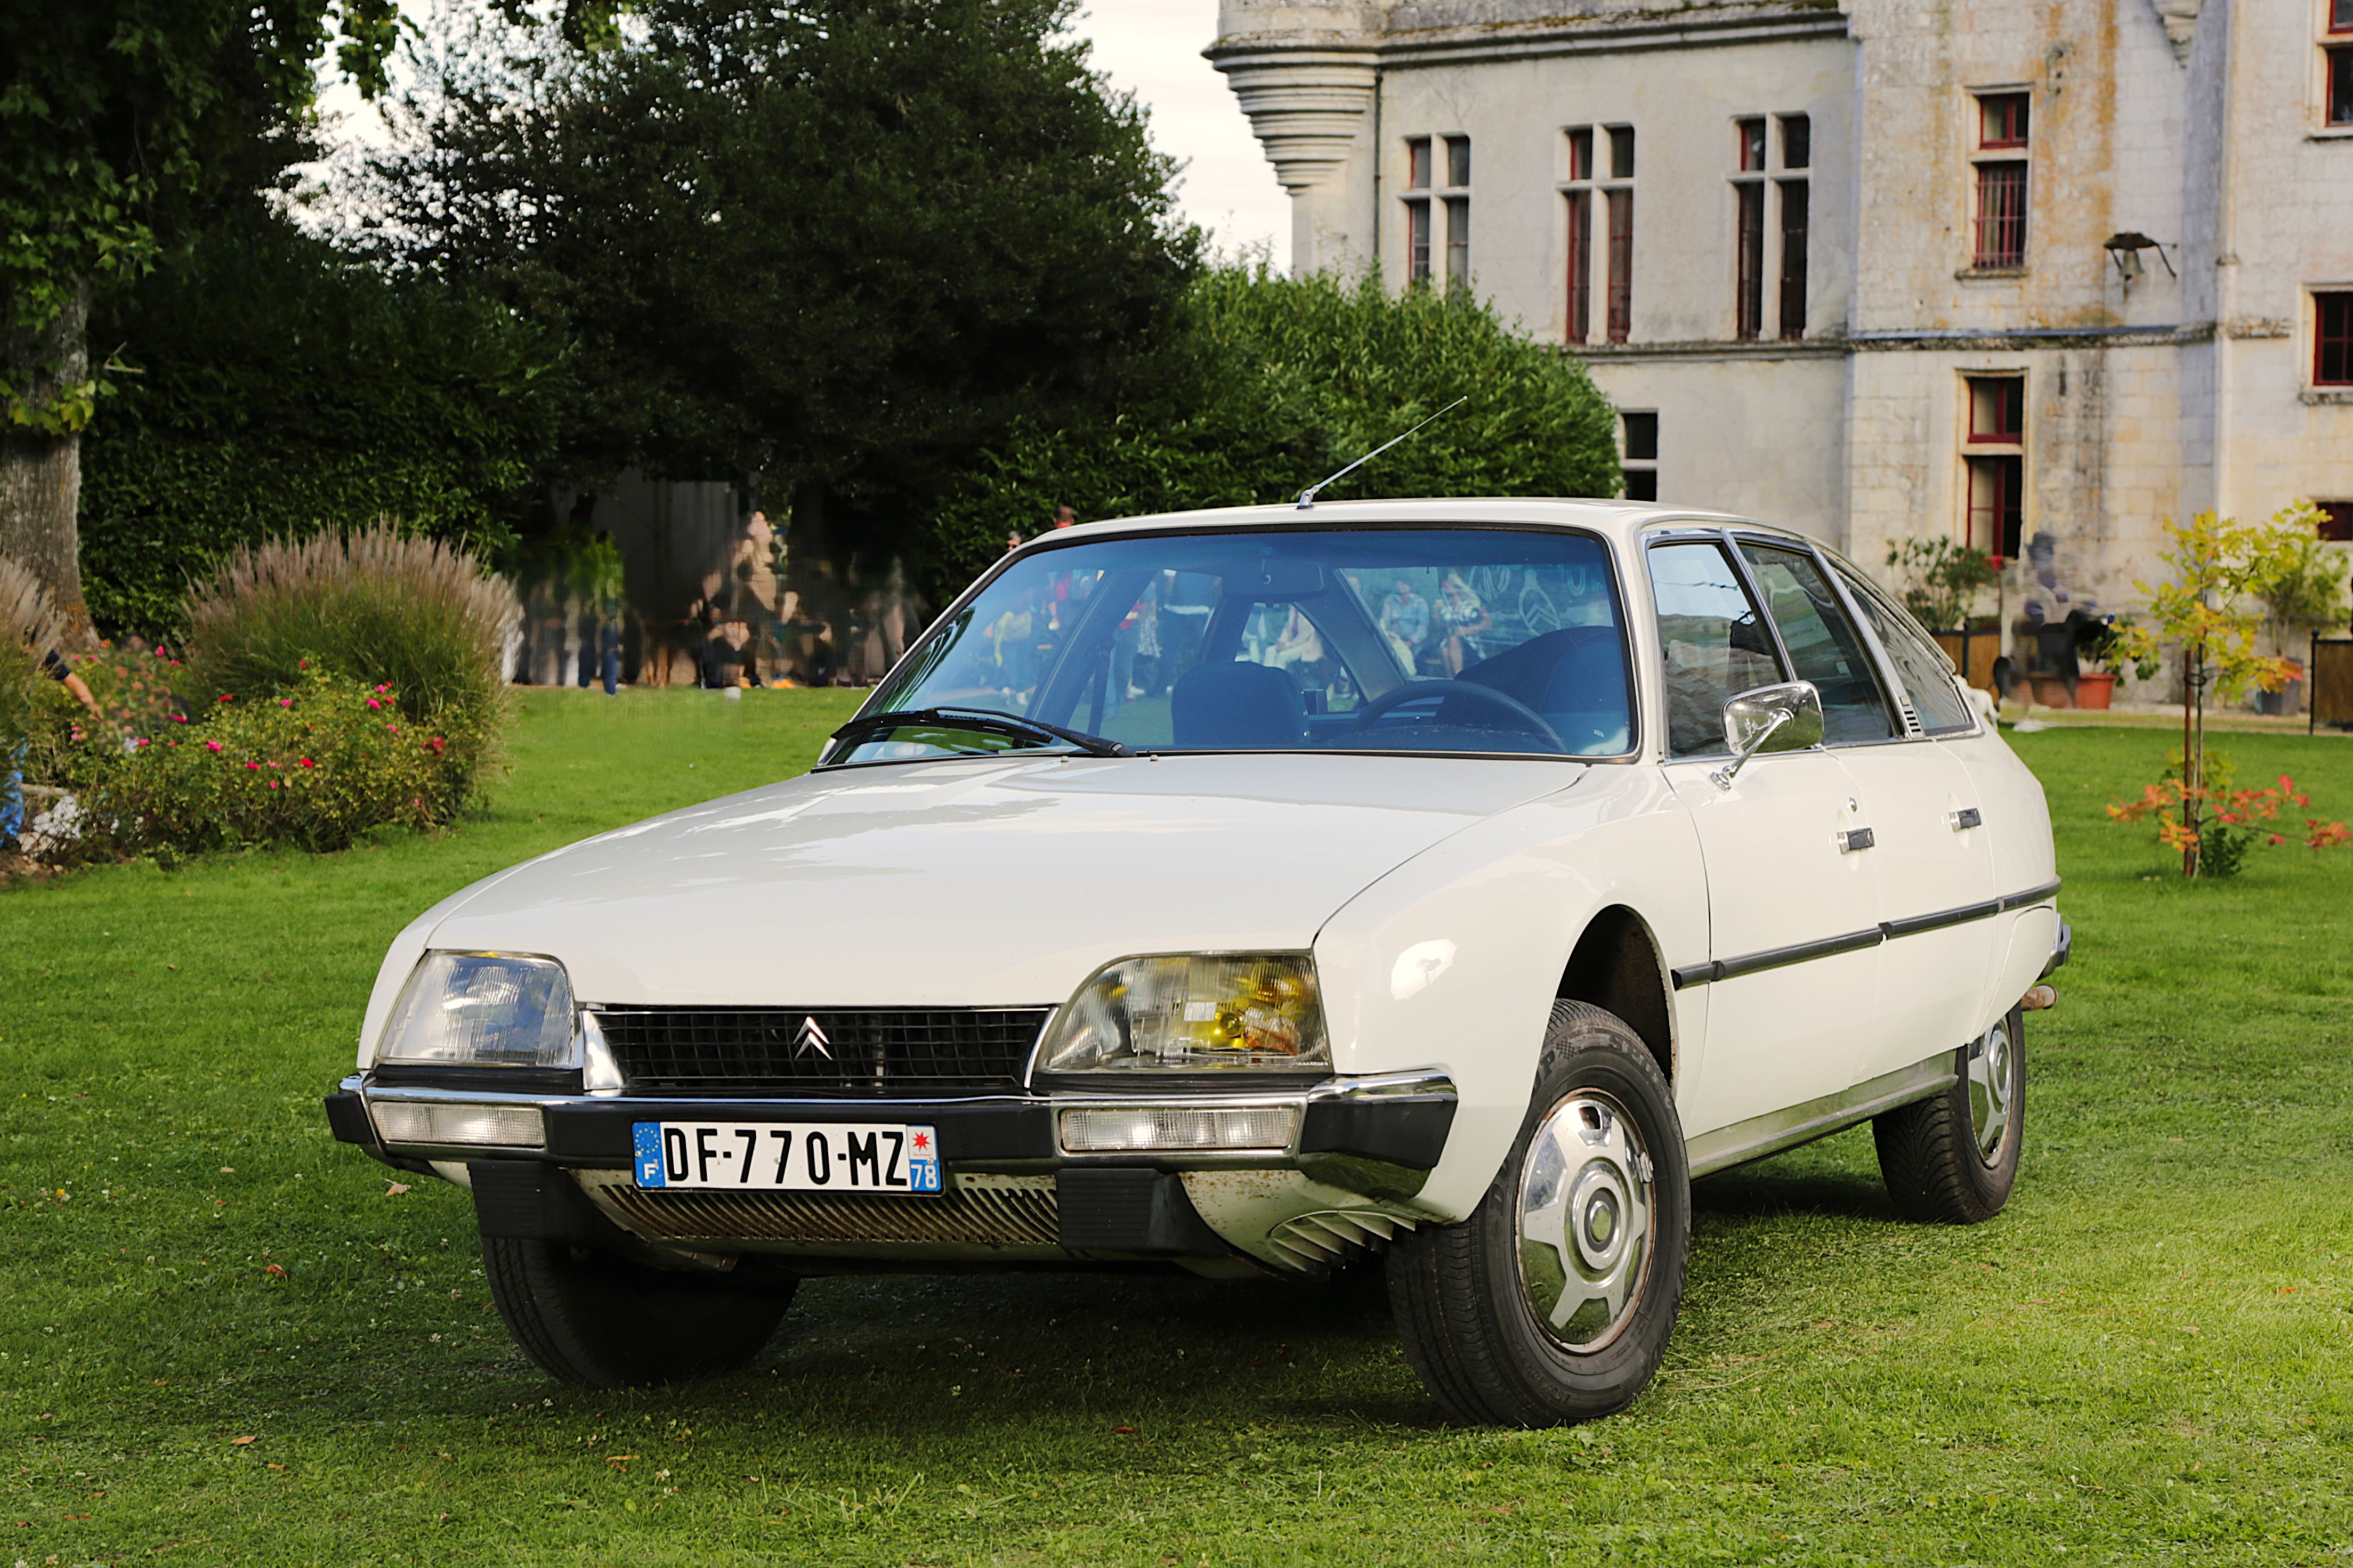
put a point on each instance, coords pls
(1823, 645)
(1926, 674)
(1713, 643)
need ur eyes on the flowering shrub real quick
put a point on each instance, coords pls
(132, 684)
(2226, 822)
(315, 765)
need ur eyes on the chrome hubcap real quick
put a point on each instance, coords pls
(1584, 1221)
(1993, 1066)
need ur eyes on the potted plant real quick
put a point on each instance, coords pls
(1940, 583)
(2098, 648)
(2300, 583)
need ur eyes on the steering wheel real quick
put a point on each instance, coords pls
(1524, 717)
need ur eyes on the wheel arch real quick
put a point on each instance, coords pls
(1615, 966)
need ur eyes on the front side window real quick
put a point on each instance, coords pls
(1822, 644)
(1713, 643)
(1463, 640)
(1920, 665)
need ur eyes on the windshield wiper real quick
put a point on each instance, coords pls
(988, 722)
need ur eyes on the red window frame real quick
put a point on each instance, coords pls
(1580, 153)
(1580, 264)
(2002, 121)
(1997, 505)
(1417, 162)
(2009, 406)
(1748, 299)
(2332, 339)
(1999, 240)
(1797, 201)
(1621, 266)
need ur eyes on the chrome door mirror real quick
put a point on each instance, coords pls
(1785, 718)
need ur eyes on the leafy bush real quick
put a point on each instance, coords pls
(377, 607)
(316, 765)
(1941, 580)
(1277, 381)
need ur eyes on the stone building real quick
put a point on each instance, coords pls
(1877, 268)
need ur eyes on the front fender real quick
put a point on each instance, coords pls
(1453, 959)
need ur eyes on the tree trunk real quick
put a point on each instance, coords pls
(40, 473)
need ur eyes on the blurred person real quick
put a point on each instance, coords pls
(1405, 621)
(1065, 518)
(1461, 616)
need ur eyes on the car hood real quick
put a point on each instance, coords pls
(976, 883)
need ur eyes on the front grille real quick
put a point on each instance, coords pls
(885, 1050)
(1001, 1211)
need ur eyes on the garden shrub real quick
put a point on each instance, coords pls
(378, 607)
(28, 628)
(316, 764)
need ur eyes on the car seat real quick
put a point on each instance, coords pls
(1237, 707)
(1575, 677)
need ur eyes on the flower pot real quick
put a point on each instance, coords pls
(2051, 692)
(2094, 688)
(2286, 702)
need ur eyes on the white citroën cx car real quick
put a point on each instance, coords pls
(1244, 893)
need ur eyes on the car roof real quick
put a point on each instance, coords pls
(1621, 521)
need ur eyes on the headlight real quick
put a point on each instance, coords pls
(1193, 1012)
(483, 1009)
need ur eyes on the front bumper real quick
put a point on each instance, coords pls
(1359, 1150)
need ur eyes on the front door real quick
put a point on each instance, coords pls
(1793, 970)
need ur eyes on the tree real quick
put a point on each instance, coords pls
(2217, 562)
(117, 119)
(1271, 383)
(283, 386)
(830, 245)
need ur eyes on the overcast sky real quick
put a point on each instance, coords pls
(1152, 49)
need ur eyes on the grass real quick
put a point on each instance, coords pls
(2141, 1361)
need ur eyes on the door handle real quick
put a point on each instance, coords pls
(1964, 819)
(1854, 838)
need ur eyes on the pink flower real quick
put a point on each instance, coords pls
(309, 764)
(286, 702)
(273, 783)
(212, 745)
(254, 766)
(227, 698)
(179, 718)
(374, 703)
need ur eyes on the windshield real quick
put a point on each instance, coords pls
(1459, 639)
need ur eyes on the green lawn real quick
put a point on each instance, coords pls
(2142, 1361)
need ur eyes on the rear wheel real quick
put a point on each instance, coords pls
(1552, 1302)
(1952, 1159)
(588, 1316)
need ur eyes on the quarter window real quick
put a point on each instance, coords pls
(1712, 643)
(1926, 676)
(1822, 645)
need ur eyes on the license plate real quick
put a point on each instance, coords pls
(788, 1156)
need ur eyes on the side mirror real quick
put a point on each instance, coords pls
(1785, 718)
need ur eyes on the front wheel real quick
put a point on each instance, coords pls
(1552, 1302)
(588, 1316)
(1952, 1159)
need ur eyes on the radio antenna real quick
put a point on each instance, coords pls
(1307, 496)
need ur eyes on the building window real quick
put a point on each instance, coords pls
(1580, 265)
(2332, 356)
(1639, 435)
(1753, 259)
(2337, 59)
(1426, 157)
(1998, 230)
(1749, 246)
(1795, 201)
(1621, 152)
(1993, 460)
(1622, 264)
(1576, 192)
(2336, 520)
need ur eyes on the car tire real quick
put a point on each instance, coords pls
(1952, 1159)
(587, 1316)
(1508, 1316)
